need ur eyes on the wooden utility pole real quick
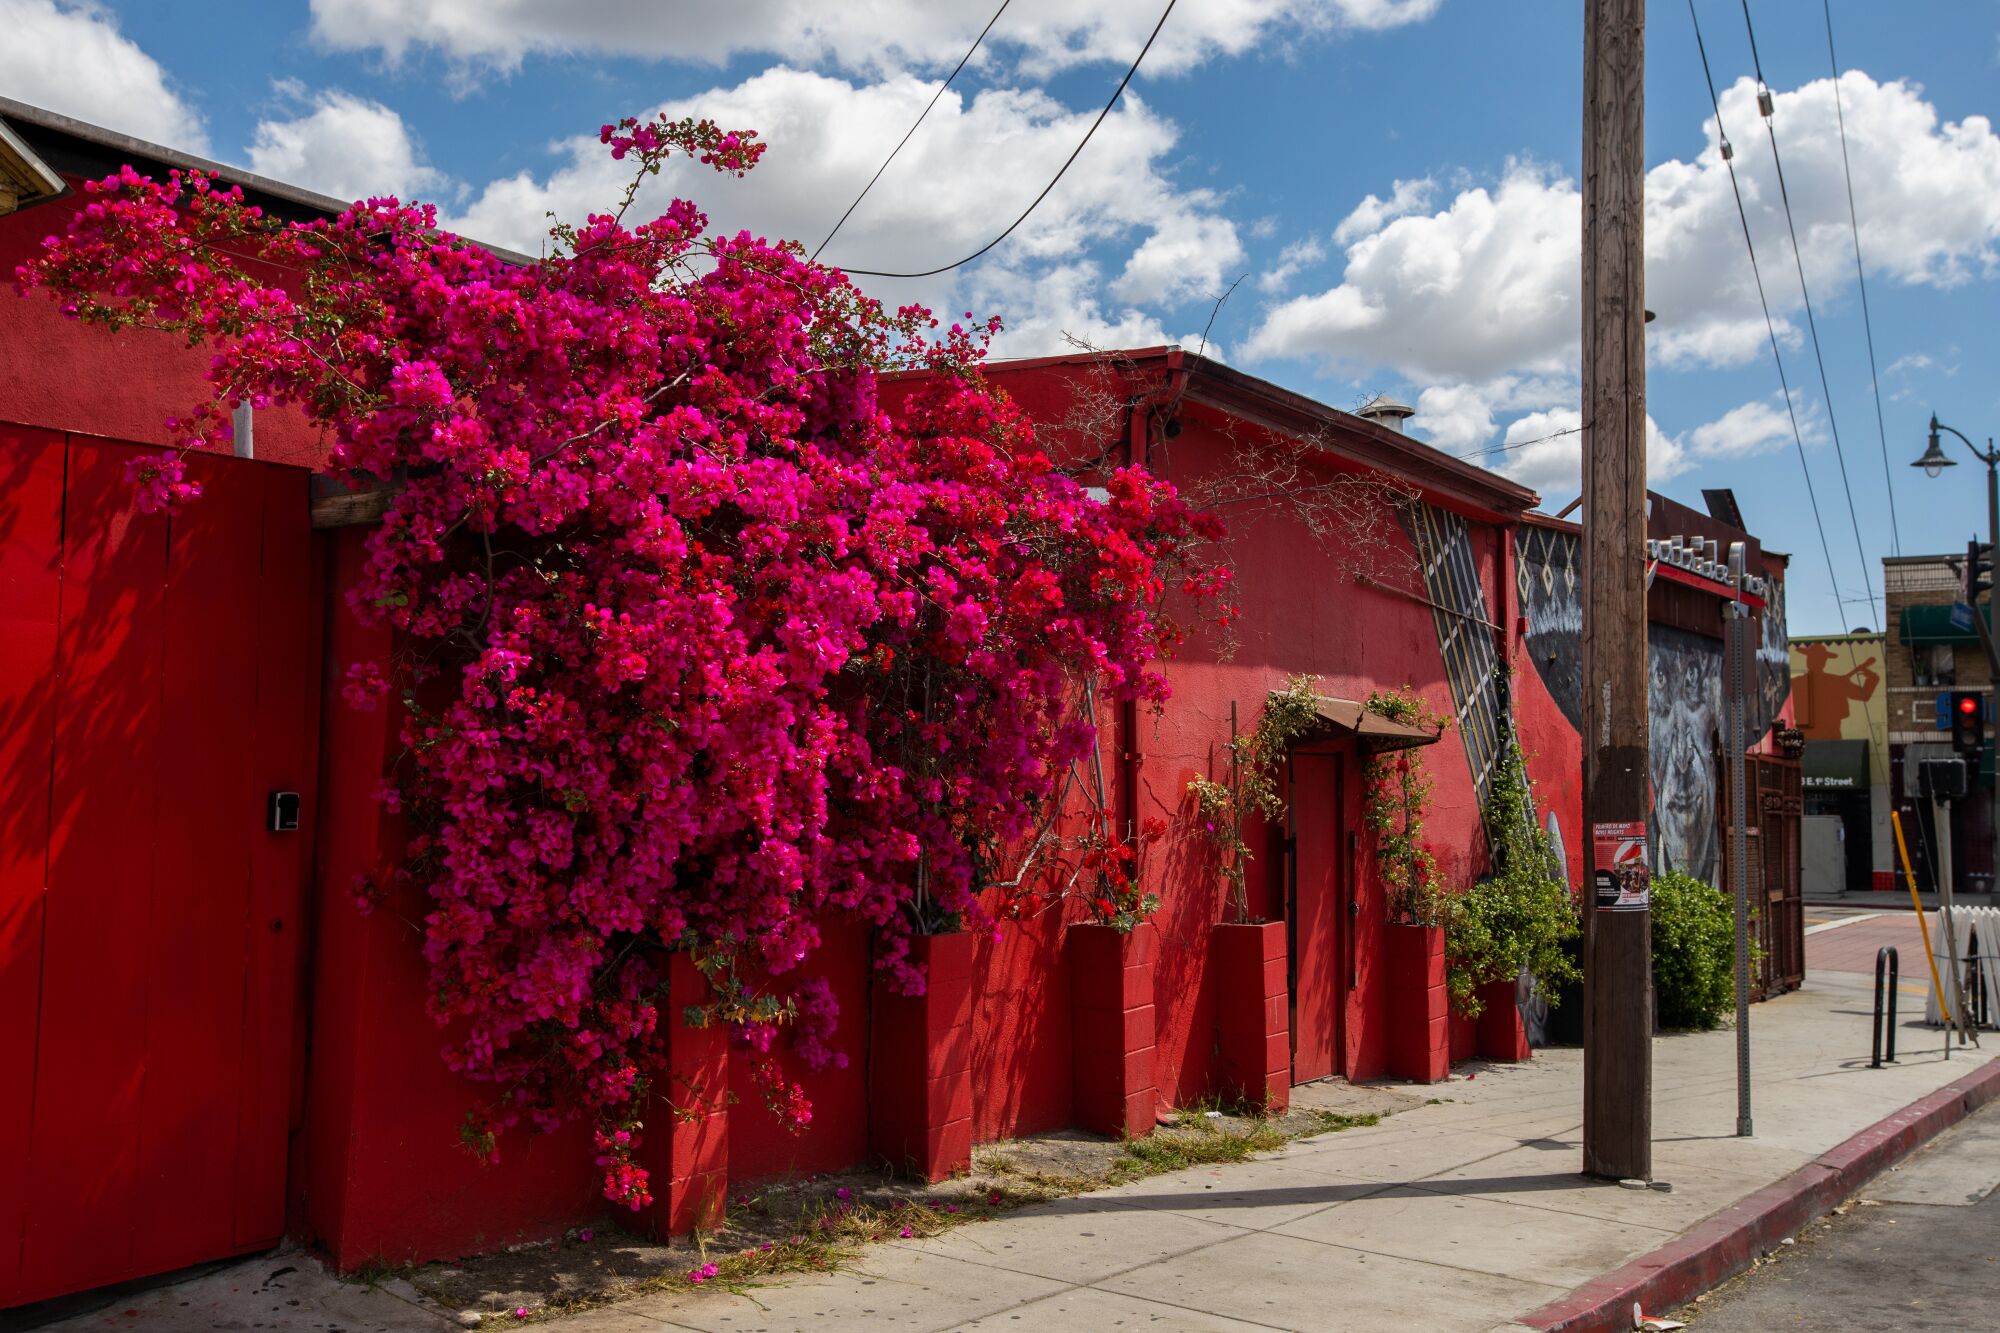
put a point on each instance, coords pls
(1618, 973)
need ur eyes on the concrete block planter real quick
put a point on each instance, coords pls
(1111, 1003)
(1418, 1004)
(685, 1145)
(920, 1064)
(1253, 1014)
(1502, 1034)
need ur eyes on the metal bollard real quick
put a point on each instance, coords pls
(1885, 961)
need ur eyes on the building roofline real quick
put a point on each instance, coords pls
(1358, 440)
(65, 144)
(129, 148)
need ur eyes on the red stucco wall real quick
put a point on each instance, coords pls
(64, 375)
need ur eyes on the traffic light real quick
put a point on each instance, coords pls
(1978, 571)
(1968, 721)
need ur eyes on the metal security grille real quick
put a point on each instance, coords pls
(1464, 624)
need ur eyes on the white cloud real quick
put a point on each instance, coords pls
(70, 57)
(1298, 255)
(975, 166)
(1544, 450)
(345, 146)
(1483, 288)
(1053, 309)
(1458, 417)
(877, 37)
(1373, 212)
(1186, 257)
(1756, 427)
(1487, 287)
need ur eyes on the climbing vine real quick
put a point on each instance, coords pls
(1250, 789)
(701, 638)
(1519, 916)
(1399, 794)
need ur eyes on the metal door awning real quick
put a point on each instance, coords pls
(1346, 717)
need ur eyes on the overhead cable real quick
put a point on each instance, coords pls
(1764, 104)
(976, 42)
(1770, 325)
(1861, 279)
(1118, 92)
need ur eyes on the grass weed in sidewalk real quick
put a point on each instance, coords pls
(1465, 1210)
(817, 1225)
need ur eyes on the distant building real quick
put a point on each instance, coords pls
(1928, 652)
(1840, 704)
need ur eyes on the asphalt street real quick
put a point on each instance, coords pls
(1918, 1249)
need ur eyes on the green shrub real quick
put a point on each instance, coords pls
(1510, 921)
(1520, 916)
(1694, 954)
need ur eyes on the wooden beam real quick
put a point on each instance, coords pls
(24, 177)
(1618, 974)
(353, 508)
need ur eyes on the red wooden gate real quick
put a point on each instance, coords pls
(1318, 913)
(158, 681)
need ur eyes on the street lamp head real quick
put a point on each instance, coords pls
(1935, 460)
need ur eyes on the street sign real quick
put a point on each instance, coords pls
(1942, 779)
(1961, 617)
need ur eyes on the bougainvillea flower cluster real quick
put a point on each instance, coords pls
(700, 643)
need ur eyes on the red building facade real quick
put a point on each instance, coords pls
(1364, 560)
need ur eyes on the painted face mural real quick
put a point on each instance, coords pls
(1686, 703)
(1774, 665)
(1686, 709)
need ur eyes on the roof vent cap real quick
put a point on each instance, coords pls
(1385, 411)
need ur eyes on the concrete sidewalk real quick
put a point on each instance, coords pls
(1464, 1214)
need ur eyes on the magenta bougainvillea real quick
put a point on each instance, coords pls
(700, 641)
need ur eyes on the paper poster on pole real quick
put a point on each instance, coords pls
(1623, 883)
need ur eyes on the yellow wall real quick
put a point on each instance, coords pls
(1838, 694)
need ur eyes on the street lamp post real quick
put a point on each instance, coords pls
(1934, 461)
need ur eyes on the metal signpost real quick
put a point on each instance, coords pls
(1736, 641)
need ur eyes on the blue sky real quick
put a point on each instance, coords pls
(1392, 180)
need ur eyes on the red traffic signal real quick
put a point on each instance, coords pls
(1968, 721)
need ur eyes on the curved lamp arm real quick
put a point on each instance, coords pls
(1988, 456)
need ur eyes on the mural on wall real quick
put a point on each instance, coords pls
(1549, 583)
(1774, 660)
(1841, 681)
(1686, 673)
(1837, 682)
(1685, 743)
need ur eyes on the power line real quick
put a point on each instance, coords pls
(970, 51)
(1861, 278)
(1770, 325)
(1487, 451)
(1116, 93)
(1812, 324)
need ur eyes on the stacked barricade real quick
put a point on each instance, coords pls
(1978, 942)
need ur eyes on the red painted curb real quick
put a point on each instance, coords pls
(1724, 1245)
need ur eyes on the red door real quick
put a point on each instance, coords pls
(1320, 931)
(157, 685)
